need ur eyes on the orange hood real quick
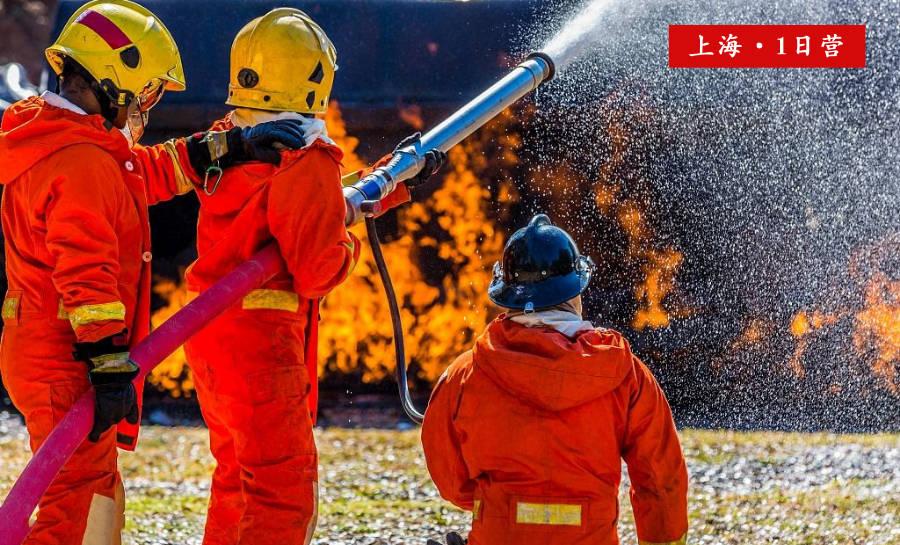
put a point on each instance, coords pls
(32, 130)
(545, 368)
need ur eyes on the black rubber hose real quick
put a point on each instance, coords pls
(399, 349)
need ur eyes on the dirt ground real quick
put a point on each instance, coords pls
(746, 488)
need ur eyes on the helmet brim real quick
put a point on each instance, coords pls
(543, 294)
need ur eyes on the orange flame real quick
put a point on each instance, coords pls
(173, 374)
(877, 329)
(659, 266)
(442, 317)
(875, 323)
(802, 326)
(412, 115)
(439, 320)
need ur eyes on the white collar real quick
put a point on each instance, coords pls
(55, 100)
(566, 322)
(313, 128)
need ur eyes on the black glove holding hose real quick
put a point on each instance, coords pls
(111, 372)
(434, 160)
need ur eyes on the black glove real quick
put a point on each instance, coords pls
(453, 538)
(434, 160)
(261, 143)
(110, 371)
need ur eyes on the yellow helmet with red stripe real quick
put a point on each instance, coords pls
(124, 47)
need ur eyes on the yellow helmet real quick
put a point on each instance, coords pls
(124, 47)
(282, 61)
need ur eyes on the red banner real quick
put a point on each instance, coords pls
(767, 46)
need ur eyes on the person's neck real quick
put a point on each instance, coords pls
(82, 100)
(562, 307)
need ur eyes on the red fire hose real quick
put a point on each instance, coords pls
(74, 427)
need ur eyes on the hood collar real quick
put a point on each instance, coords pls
(548, 369)
(563, 318)
(34, 128)
(58, 101)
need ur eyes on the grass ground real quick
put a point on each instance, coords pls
(746, 488)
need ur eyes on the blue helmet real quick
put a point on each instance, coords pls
(541, 268)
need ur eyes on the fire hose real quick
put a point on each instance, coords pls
(361, 199)
(396, 324)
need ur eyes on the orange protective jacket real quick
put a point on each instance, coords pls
(293, 204)
(529, 428)
(77, 231)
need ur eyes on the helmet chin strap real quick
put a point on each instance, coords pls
(107, 110)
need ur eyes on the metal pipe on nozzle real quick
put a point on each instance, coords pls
(407, 162)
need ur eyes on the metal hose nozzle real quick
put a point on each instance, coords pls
(409, 160)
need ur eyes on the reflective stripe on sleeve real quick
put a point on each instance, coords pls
(354, 255)
(557, 514)
(351, 178)
(182, 182)
(89, 314)
(217, 144)
(680, 541)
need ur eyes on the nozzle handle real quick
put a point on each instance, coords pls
(370, 209)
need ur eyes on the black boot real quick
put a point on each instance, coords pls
(453, 538)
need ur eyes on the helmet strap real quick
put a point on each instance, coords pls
(107, 110)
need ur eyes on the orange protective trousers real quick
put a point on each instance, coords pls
(253, 388)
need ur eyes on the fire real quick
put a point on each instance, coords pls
(173, 374)
(455, 231)
(802, 326)
(337, 131)
(440, 318)
(443, 247)
(658, 265)
(412, 116)
(805, 323)
(754, 333)
(874, 321)
(877, 329)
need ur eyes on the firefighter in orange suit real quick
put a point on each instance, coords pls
(76, 229)
(254, 367)
(529, 428)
